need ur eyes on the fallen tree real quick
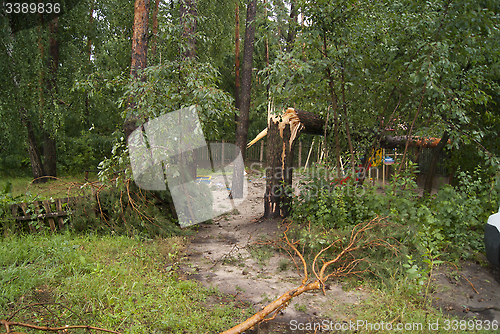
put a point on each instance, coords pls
(282, 131)
(343, 263)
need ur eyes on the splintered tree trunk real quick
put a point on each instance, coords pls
(429, 179)
(280, 153)
(274, 172)
(242, 129)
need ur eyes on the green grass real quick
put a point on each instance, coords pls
(112, 282)
(65, 186)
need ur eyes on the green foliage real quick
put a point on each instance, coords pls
(84, 152)
(107, 281)
(426, 231)
(178, 84)
(459, 214)
(130, 212)
(6, 200)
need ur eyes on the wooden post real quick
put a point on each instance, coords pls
(383, 166)
(52, 223)
(60, 220)
(300, 154)
(261, 158)
(24, 207)
(309, 155)
(222, 155)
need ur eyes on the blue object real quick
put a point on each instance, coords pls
(388, 161)
(204, 179)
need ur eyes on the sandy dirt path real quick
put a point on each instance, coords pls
(220, 255)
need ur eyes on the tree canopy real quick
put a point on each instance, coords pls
(422, 68)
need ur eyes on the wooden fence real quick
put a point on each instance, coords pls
(48, 213)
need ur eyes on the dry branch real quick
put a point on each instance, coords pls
(9, 324)
(359, 239)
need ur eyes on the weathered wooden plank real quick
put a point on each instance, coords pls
(59, 209)
(24, 207)
(51, 221)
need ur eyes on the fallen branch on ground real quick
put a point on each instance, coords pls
(345, 259)
(9, 324)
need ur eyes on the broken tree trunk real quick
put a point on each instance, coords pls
(389, 142)
(282, 131)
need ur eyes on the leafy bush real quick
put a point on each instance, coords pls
(459, 214)
(84, 152)
(128, 212)
(6, 201)
(452, 220)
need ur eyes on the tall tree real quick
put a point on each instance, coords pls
(155, 29)
(188, 17)
(237, 58)
(139, 57)
(49, 147)
(246, 88)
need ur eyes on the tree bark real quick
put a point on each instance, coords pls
(34, 154)
(279, 171)
(429, 179)
(390, 142)
(139, 56)
(242, 129)
(237, 60)
(140, 37)
(155, 29)
(274, 173)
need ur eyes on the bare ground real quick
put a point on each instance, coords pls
(220, 255)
